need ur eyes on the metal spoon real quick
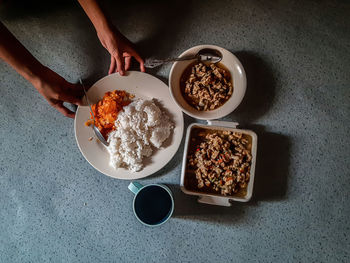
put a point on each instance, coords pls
(205, 55)
(96, 130)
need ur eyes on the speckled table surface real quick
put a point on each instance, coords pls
(54, 207)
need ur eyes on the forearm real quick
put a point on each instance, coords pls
(95, 14)
(119, 47)
(15, 54)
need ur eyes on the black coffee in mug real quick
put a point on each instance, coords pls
(153, 204)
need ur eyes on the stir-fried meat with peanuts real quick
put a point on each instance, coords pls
(222, 161)
(208, 87)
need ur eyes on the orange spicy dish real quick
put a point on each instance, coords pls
(107, 109)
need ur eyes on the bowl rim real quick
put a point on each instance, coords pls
(219, 113)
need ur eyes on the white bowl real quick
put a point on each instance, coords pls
(236, 70)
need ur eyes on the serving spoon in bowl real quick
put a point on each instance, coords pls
(96, 130)
(204, 55)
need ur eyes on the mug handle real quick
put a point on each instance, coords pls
(135, 187)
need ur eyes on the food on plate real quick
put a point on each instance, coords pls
(139, 128)
(220, 160)
(206, 87)
(107, 109)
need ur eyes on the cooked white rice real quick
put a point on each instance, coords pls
(139, 126)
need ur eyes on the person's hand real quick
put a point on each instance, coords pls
(121, 50)
(57, 90)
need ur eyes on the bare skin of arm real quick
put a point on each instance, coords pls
(118, 46)
(49, 84)
(52, 86)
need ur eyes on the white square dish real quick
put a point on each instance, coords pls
(213, 198)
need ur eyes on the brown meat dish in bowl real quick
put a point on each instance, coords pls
(206, 87)
(219, 162)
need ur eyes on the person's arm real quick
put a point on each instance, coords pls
(53, 87)
(118, 46)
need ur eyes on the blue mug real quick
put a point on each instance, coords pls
(153, 204)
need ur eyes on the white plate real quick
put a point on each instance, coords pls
(142, 85)
(236, 70)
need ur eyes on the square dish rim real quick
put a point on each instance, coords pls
(250, 187)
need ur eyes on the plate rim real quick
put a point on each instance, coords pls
(181, 118)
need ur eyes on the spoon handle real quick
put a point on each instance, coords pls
(152, 63)
(87, 99)
(96, 130)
